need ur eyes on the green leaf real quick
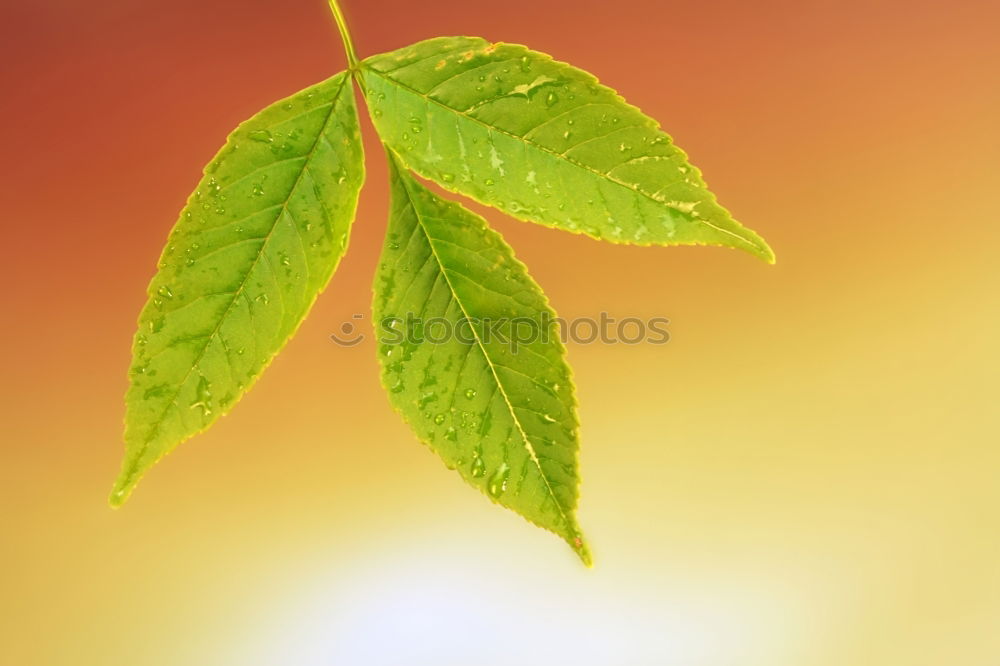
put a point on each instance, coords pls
(543, 141)
(255, 244)
(499, 412)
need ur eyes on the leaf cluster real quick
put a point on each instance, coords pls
(270, 219)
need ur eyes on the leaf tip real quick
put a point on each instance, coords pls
(581, 548)
(767, 254)
(758, 246)
(122, 489)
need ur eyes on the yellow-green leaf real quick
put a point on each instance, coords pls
(543, 141)
(494, 398)
(255, 244)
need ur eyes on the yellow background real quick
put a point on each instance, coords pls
(805, 476)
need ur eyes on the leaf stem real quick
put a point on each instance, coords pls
(345, 36)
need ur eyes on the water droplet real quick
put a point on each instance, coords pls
(551, 99)
(470, 393)
(448, 177)
(478, 466)
(439, 419)
(165, 292)
(547, 418)
(156, 391)
(261, 135)
(203, 397)
(427, 399)
(498, 482)
(257, 190)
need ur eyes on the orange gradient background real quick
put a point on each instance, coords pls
(806, 475)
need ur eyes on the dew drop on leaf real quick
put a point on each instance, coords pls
(498, 482)
(203, 397)
(261, 135)
(478, 468)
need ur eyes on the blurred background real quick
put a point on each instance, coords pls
(804, 476)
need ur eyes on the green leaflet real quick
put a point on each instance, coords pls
(543, 141)
(255, 244)
(503, 417)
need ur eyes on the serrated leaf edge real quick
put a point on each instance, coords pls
(130, 473)
(761, 249)
(576, 542)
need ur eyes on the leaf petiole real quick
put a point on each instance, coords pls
(345, 36)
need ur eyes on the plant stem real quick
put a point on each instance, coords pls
(345, 36)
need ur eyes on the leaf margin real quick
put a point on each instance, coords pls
(757, 245)
(132, 468)
(575, 539)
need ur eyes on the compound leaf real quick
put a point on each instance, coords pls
(255, 244)
(545, 142)
(470, 357)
